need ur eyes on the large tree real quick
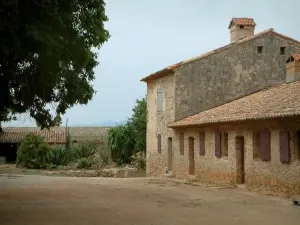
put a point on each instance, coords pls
(47, 56)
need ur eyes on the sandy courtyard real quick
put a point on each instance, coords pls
(42, 200)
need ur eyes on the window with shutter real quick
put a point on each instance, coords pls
(297, 145)
(159, 102)
(256, 145)
(202, 143)
(217, 144)
(284, 146)
(159, 143)
(181, 140)
(224, 144)
(265, 150)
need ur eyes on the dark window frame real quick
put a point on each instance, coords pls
(260, 49)
(282, 50)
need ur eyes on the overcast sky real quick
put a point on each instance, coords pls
(149, 35)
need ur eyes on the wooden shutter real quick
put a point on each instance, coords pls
(284, 146)
(202, 143)
(159, 100)
(265, 151)
(159, 142)
(181, 139)
(217, 144)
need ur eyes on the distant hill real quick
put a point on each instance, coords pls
(107, 123)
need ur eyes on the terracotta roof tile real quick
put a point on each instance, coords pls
(51, 137)
(170, 69)
(242, 22)
(278, 101)
(296, 56)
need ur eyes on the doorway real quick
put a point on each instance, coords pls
(170, 154)
(240, 159)
(9, 151)
(191, 156)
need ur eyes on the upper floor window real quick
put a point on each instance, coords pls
(159, 100)
(282, 50)
(259, 49)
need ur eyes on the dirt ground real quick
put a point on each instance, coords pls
(36, 200)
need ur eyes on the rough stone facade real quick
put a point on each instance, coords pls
(215, 79)
(271, 177)
(157, 124)
(231, 74)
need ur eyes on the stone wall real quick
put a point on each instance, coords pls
(157, 124)
(231, 74)
(271, 177)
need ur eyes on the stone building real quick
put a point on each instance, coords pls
(229, 116)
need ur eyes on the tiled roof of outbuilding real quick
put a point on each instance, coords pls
(278, 101)
(296, 56)
(51, 137)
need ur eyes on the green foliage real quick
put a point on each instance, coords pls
(125, 140)
(60, 156)
(84, 150)
(139, 124)
(139, 160)
(34, 153)
(84, 163)
(121, 143)
(68, 141)
(47, 57)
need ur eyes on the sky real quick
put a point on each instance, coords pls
(147, 36)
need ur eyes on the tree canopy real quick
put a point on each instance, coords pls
(47, 57)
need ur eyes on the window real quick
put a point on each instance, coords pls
(202, 143)
(242, 27)
(265, 149)
(297, 145)
(284, 144)
(181, 140)
(259, 49)
(256, 145)
(217, 144)
(159, 101)
(159, 143)
(282, 50)
(224, 144)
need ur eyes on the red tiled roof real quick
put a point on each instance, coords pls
(168, 70)
(296, 56)
(242, 22)
(277, 101)
(51, 137)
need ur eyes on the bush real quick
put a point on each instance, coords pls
(34, 153)
(84, 163)
(139, 160)
(84, 150)
(121, 143)
(60, 156)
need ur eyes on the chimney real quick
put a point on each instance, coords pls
(241, 28)
(293, 68)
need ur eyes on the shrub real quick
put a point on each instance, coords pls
(139, 160)
(33, 153)
(84, 163)
(84, 150)
(121, 143)
(60, 156)
(139, 124)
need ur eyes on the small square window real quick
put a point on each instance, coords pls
(259, 49)
(282, 50)
(242, 27)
